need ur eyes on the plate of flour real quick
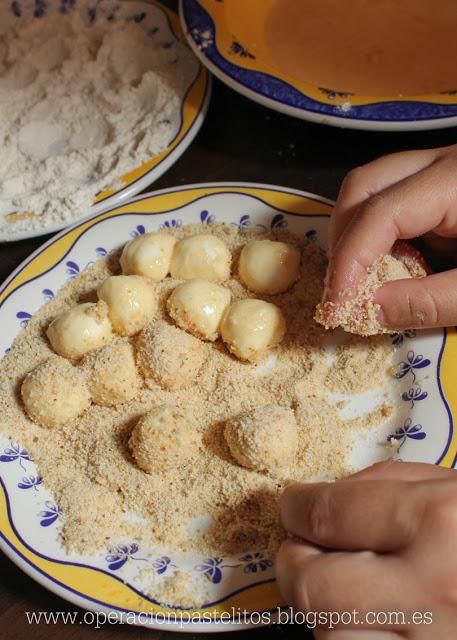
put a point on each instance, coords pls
(192, 545)
(97, 100)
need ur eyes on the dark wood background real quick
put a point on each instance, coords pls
(239, 141)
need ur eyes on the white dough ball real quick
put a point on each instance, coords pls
(198, 306)
(132, 302)
(249, 327)
(162, 439)
(112, 374)
(268, 266)
(169, 356)
(55, 392)
(81, 329)
(202, 256)
(263, 439)
(148, 255)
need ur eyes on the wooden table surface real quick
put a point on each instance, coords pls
(239, 141)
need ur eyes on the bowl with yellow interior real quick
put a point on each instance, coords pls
(383, 66)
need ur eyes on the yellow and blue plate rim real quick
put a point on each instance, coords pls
(102, 585)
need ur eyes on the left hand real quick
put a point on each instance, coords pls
(382, 540)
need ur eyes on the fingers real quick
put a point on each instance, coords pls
(387, 217)
(419, 303)
(408, 471)
(363, 182)
(354, 515)
(344, 582)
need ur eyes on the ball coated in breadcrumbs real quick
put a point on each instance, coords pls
(55, 392)
(169, 356)
(112, 374)
(264, 439)
(162, 439)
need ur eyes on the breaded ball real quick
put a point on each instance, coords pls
(268, 266)
(55, 392)
(198, 306)
(249, 327)
(132, 302)
(202, 256)
(148, 255)
(265, 439)
(162, 439)
(112, 375)
(81, 329)
(169, 356)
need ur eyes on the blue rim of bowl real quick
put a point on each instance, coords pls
(197, 20)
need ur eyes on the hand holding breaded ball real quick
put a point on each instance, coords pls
(264, 439)
(81, 329)
(249, 327)
(112, 375)
(201, 256)
(55, 392)
(198, 306)
(132, 302)
(269, 267)
(148, 255)
(162, 439)
(169, 357)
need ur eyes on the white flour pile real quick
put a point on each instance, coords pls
(81, 104)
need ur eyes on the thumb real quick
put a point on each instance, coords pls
(421, 303)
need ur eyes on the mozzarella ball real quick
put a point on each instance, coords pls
(202, 256)
(132, 302)
(250, 327)
(162, 439)
(81, 329)
(55, 392)
(112, 374)
(198, 306)
(270, 267)
(148, 255)
(169, 356)
(265, 439)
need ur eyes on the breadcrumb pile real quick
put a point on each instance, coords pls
(87, 465)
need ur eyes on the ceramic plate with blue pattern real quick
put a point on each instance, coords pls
(229, 38)
(423, 392)
(162, 26)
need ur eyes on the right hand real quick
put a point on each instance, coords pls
(399, 196)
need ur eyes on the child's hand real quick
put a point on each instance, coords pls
(398, 196)
(383, 540)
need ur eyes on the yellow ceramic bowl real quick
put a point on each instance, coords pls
(229, 38)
